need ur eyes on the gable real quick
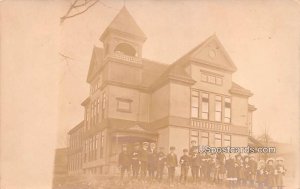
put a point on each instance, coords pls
(212, 53)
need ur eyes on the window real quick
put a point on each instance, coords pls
(227, 110)
(92, 114)
(218, 140)
(103, 104)
(102, 145)
(218, 108)
(204, 139)
(204, 106)
(124, 105)
(124, 48)
(98, 110)
(194, 135)
(211, 78)
(195, 104)
(227, 140)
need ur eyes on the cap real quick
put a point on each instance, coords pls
(172, 148)
(270, 159)
(185, 150)
(152, 144)
(145, 143)
(261, 161)
(279, 159)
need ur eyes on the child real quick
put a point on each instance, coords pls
(171, 164)
(161, 160)
(279, 172)
(185, 163)
(260, 174)
(269, 171)
(124, 161)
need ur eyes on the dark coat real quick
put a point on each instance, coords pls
(195, 160)
(230, 168)
(124, 158)
(172, 160)
(161, 159)
(152, 159)
(260, 175)
(185, 160)
(279, 173)
(135, 158)
(269, 172)
(143, 155)
(253, 167)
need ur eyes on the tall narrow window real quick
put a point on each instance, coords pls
(98, 110)
(95, 112)
(227, 140)
(204, 106)
(194, 136)
(218, 108)
(227, 116)
(102, 145)
(92, 114)
(103, 104)
(204, 139)
(218, 140)
(195, 104)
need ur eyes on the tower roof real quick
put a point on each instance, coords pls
(124, 23)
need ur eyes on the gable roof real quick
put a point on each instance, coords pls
(124, 23)
(219, 58)
(95, 63)
(177, 68)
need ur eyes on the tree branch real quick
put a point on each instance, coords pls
(66, 16)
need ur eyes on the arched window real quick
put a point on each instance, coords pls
(126, 49)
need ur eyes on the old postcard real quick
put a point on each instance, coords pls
(156, 94)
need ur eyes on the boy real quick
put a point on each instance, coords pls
(185, 163)
(124, 161)
(279, 172)
(171, 164)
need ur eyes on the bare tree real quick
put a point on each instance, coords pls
(81, 6)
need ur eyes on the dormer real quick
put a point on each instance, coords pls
(123, 37)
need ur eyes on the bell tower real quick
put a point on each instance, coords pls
(123, 36)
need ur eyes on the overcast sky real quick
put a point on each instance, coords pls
(41, 92)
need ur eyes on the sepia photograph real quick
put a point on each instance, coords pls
(149, 94)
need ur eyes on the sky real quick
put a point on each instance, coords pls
(41, 92)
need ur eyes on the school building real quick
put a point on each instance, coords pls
(133, 99)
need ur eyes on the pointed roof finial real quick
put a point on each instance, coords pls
(124, 23)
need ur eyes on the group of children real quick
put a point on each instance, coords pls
(220, 169)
